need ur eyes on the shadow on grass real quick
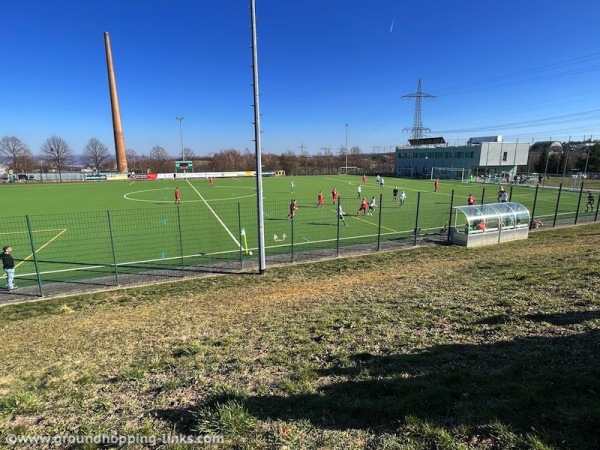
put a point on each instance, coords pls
(563, 319)
(546, 386)
(325, 224)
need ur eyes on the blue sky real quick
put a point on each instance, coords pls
(526, 70)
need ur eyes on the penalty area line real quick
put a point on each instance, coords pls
(215, 214)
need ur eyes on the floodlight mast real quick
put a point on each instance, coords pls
(346, 149)
(257, 145)
(181, 136)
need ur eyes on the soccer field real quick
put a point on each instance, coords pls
(77, 231)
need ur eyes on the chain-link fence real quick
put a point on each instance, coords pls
(64, 254)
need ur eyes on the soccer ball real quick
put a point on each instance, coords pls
(250, 252)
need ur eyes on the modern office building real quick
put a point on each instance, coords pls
(482, 157)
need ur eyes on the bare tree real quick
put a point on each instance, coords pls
(188, 154)
(57, 154)
(160, 158)
(269, 161)
(96, 154)
(133, 159)
(16, 154)
(227, 160)
(304, 157)
(355, 152)
(289, 162)
(249, 160)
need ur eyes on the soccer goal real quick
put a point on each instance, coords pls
(348, 170)
(448, 173)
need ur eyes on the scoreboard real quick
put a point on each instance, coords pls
(186, 165)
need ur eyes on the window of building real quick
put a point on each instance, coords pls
(504, 156)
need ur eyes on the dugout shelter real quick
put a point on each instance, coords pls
(476, 225)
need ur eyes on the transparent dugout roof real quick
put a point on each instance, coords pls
(494, 212)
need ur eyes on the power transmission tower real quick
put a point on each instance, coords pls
(417, 129)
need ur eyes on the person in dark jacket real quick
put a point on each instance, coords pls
(8, 264)
(590, 202)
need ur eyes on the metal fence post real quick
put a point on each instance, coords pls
(578, 203)
(180, 242)
(482, 195)
(292, 233)
(337, 241)
(511, 189)
(557, 203)
(450, 216)
(537, 187)
(112, 247)
(379, 224)
(35, 261)
(416, 232)
(241, 236)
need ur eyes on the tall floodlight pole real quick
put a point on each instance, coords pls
(547, 160)
(257, 146)
(587, 158)
(346, 149)
(566, 160)
(181, 136)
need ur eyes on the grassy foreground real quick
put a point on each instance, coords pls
(437, 347)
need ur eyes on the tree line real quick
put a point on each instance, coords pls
(573, 157)
(56, 155)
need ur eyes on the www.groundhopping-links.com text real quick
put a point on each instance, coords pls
(113, 439)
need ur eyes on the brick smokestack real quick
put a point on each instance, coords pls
(116, 113)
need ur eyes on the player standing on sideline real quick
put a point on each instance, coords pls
(359, 190)
(590, 202)
(334, 195)
(395, 193)
(502, 196)
(293, 207)
(364, 179)
(320, 199)
(341, 214)
(381, 183)
(210, 181)
(371, 206)
(378, 180)
(177, 197)
(470, 200)
(291, 186)
(436, 185)
(8, 264)
(363, 207)
(402, 198)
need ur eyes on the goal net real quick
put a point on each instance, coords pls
(348, 170)
(448, 173)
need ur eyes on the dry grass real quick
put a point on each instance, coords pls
(430, 348)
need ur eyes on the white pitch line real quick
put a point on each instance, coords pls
(215, 214)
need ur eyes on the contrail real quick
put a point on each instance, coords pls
(392, 26)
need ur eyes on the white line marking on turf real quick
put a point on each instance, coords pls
(39, 249)
(215, 214)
